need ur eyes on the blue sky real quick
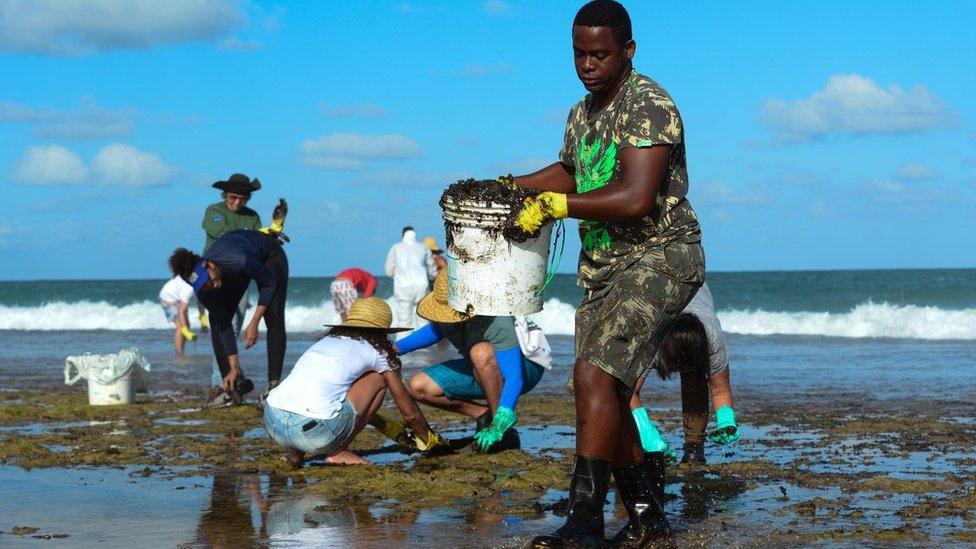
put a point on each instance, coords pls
(819, 135)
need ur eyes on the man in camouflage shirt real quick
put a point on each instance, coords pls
(622, 173)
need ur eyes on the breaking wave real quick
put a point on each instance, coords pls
(867, 320)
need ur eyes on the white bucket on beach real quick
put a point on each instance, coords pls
(112, 379)
(487, 274)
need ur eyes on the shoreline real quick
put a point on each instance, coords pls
(881, 470)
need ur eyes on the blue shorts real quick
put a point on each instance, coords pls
(456, 378)
(310, 435)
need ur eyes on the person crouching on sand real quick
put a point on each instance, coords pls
(337, 386)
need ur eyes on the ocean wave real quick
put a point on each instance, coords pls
(867, 320)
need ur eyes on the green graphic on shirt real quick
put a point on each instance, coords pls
(593, 173)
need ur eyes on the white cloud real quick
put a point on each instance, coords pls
(856, 105)
(50, 165)
(355, 110)
(88, 122)
(475, 70)
(496, 7)
(234, 43)
(78, 27)
(125, 165)
(916, 172)
(350, 151)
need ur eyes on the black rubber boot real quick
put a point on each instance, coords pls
(647, 521)
(584, 519)
(656, 464)
(694, 453)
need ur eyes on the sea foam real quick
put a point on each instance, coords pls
(866, 320)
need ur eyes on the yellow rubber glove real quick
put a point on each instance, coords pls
(277, 218)
(204, 323)
(541, 209)
(393, 429)
(190, 336)
(432, 444)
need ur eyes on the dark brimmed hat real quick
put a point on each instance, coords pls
(238, 184)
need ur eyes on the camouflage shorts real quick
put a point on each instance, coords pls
(620, 326)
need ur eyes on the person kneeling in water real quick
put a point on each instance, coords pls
(337, 386)
(694, 348)
(491, 367)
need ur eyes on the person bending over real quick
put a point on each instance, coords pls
(695, 349)
(492, 366)
(346, 288)
(175, 298)
(220, 278)
(337, 386)
(622, 173)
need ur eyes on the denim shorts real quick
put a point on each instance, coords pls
(309, 435)
(456, 378)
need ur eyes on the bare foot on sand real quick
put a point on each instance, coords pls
(345, 457)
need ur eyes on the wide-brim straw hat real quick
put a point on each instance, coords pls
(432, 245)
(370, 312)
(434, 306)
(238, 183)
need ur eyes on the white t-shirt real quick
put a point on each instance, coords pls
(176, 290)
(703, 307)
(320, 380)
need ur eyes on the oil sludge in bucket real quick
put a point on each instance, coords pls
(487, 273)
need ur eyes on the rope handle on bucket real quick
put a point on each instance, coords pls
(560, 241)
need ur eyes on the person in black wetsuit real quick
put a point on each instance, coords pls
(220, 278)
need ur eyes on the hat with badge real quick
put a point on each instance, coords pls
(238, 184)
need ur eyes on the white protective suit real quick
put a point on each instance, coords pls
(412, 267)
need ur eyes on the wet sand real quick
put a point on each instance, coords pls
(843, 472)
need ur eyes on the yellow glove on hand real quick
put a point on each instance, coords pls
(541, 209)
(277, 219)
(393, 429)
(433, 442)
(190, 336)
(204, 323)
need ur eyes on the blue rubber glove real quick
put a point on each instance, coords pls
(503, 420)
(425, 336)
(726, 431)
(510, 367)
(651, 439)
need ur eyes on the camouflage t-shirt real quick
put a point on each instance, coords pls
(641, 115)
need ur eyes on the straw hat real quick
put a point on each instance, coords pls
(369, 312)
(434, 305)
(432, 245)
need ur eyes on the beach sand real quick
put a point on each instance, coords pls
(848, 471)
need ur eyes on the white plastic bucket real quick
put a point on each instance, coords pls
(116, 392)
(487, 274)
(112, 379)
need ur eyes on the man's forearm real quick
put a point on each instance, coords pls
(556, 178)
(258, 314)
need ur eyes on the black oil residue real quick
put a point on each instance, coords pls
(489, 192)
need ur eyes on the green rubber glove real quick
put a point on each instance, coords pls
(502, 421)
(726, 431)
(651, 439)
